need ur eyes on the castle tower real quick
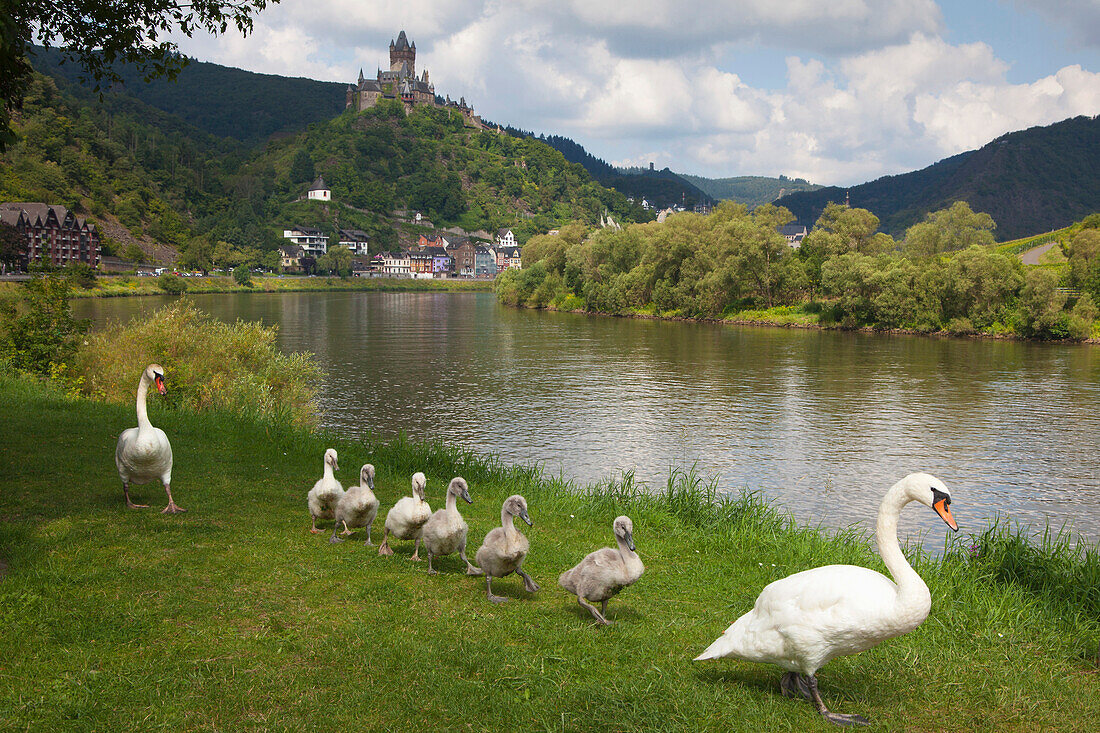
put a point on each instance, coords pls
(403, 52)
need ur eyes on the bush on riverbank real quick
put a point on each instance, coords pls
(945, 277)
(125, 286)
(232, 616)
(209, 365)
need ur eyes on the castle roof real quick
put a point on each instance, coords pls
(402, 42)
(319, 184)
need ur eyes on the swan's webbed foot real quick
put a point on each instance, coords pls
(834, 718)
(489, 591)
(528, 583)
(416, 552)
(130, 504)
(346, 532)
(334, 539)
(314, 530)
(172, 508)
(794, 685)
(384, 548)
(431, 570)
(844, 720)
(472, 570)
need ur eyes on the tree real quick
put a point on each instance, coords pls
(97, 35)
(341, 260)
(947, 230)
(13, 248)
(301, 168)
(242, 276)
(134, 253)
(197, 254)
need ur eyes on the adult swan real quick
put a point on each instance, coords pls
(806, 619)
(143, 453)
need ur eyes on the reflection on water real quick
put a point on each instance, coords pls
(823, 422)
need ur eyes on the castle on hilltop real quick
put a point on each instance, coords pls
(402, 84)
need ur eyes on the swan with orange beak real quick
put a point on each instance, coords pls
(802, 621)
(143, 454)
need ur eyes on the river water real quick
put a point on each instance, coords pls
(821, 422)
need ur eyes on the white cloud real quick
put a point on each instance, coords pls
(872, 88)
(1080, 17)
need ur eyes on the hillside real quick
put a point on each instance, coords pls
(149, 177)
(221, 100)
(1030, 181)
(750, 190)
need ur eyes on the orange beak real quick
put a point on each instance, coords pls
(944, 511)
(160, 385)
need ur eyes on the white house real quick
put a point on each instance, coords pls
(396, 264)
(505, 238)
(319, 191)
(355, 240)
(313, 242)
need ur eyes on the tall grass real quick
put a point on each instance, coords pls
(209, 365)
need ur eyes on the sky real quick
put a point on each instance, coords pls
(837, 92)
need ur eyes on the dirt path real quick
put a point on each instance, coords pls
(1031, 257)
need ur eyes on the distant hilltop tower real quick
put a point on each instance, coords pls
(402, 52)
(400, 83)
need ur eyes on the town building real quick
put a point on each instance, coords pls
(319, 191)
(290, 258)
(508, 258)
(53, 233)
(485, 262)
(313, 242)
(463, 253)
(506, 238)
(794, 234)
(400, 83)
(355, 240)
(396, 264)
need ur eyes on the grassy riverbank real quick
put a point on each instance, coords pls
(233, 617)
(119, 286)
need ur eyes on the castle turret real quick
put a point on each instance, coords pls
(403, 52)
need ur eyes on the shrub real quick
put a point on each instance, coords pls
(242, 276)
(172, 284)
(81, 275)
(41, 334)
(211, 365)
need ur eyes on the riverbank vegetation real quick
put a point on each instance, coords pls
(232, 616)
(945, 276)
(126, 285)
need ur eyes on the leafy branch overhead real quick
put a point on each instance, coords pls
(99, 35)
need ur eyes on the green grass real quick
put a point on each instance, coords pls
(233, 617)
(116, 286)
(780, 315)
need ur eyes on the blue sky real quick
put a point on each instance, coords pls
(838, 93)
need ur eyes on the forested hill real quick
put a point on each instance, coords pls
(221, 100)
(750, 190)
(149, 178)
(1035, 180)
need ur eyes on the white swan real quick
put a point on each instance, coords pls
(325, 494)
(802, 621)
(603, 573)
(503, 550)
(406, 518)
(358, 506)
(445, 531)
(143, 454)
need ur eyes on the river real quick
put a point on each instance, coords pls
(822, 422)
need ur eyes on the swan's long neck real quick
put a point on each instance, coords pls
(508, 522)
(329, 475)
(452, 502)
(142, 412)
(624, 549)
(911, 588)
